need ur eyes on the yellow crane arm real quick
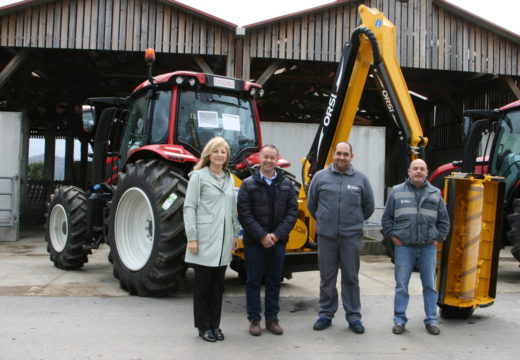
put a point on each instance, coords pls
(372, 50)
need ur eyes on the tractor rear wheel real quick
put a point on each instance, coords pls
(146, 229)
(65, 228)
(514, 233)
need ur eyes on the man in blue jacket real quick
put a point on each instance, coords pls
(267, 210)
(340, 198)
(416, 220)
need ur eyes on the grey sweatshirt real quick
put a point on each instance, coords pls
(340, 202)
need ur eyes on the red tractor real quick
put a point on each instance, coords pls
(500, 129)
(143, 149)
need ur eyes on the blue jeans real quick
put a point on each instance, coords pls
(262, 261)
(406, 258)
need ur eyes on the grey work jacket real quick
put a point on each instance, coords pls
(340, 202)
(416, 221)
(210, 217)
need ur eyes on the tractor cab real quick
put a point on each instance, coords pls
(495, 136)
(204, 114)
(171, 117)
(505, 153)
(187, 109)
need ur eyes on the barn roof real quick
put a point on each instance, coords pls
(445, 4)
(176, 4)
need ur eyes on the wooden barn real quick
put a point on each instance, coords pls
(55, 54)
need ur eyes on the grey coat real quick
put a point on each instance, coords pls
(416, 217)
(210, 217)
(340, 202)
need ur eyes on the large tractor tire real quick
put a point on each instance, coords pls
(514, 233)
(146, 228)
(66, 228)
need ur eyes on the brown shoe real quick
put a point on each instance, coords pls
(254, 328)
(273, 326)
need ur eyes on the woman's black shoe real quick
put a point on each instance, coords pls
(207, 335)
(219, 335)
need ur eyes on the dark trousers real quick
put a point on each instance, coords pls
(208, 289)
(262, 261)
(342, 254)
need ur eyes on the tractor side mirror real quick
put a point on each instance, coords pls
(88, 116)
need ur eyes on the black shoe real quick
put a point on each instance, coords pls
(207, 335)
(219, 335)
(433, 328)
(357, 327)
(398, 328)
(321, 324)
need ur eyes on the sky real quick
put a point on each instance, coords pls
(243, 12)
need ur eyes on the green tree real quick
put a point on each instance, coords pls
(35, 171)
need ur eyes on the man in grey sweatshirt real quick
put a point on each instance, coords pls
(340, 198)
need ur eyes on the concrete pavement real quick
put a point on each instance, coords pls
(47, 313)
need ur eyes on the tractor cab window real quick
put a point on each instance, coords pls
(161, 117)
(135, 132)
(204, 115)
(506, 156)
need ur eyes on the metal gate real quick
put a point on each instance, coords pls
(10, 170)
(8, 215)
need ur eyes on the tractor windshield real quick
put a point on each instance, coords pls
(506, 155)
(203, 115)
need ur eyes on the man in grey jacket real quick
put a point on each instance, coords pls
(416, 220)
(340, 198)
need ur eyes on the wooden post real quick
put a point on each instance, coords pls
(239, 56)
(50, 148)
(69, 153)
(84, 159)
(24, 156)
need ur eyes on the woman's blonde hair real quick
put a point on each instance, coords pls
(209, 148)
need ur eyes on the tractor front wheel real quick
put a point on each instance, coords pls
(65, 228)
(146, 228)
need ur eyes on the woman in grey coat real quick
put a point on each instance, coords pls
(210, 220)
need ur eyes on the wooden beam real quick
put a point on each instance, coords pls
(203, 64)
(13, 65)
(268, 72)
(246, 60)
(512, 86)
(50, 147)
